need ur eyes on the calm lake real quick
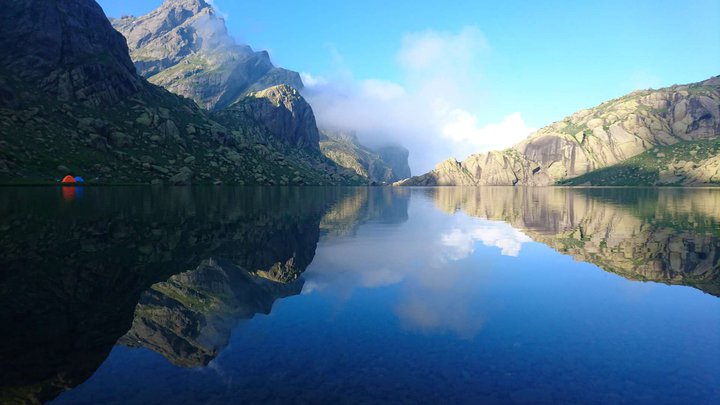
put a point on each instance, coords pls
(145, 295)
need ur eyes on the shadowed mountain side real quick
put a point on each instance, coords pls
(67, 314)
(667, 236)
(283, 111)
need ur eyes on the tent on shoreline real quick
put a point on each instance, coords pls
(69, 180)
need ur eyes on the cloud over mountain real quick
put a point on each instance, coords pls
(435, 110)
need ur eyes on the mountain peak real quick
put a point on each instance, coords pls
(185, 47)
(191, 5)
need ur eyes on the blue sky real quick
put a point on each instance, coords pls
(538, 60)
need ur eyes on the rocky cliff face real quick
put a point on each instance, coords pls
(593, 139)
(73, 103)
(184, 47)
(67, 49)
(382, 165)
(283, 111)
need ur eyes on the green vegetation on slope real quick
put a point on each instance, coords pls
(158, 138)
(662, 165)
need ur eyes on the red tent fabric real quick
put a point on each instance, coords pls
(69, 179)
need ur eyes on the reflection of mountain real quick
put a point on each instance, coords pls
(188, 319)
(386, 205)
(63, 316)
(666, 235)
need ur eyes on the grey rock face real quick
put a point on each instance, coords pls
(284, 112)
(68, 48)
(185, 47)
(593, 139)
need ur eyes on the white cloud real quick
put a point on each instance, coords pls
(313, 81)
(461, 127)
(382, 90)
(436, 111)
(420, 259)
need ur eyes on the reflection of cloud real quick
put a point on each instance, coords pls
(438, 313)
(434, 293)
(375, 263)
(498, 234)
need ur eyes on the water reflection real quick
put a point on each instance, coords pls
(188, 319)
(176, 267)
(70, 193)
(174, 270)
(662, 235)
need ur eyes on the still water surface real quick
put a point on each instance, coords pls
(357, 295)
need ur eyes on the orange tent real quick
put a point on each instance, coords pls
(68, 179)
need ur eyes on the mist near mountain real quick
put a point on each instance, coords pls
(435, 109)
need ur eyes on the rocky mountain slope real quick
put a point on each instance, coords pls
(184, 47)
(594, 139)
(282, 110)
(72, 102)
(384, 165)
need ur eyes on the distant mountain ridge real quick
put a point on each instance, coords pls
(593, 139)
(381, 165)
(184, 47)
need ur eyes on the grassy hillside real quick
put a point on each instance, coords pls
(663, 165)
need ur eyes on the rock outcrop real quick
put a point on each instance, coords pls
(593, 139)
(184, 47)
(493, 168)
(72, 100)
(382, 165)
(282, 111)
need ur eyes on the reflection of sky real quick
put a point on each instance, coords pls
(460, 242)
(438, 308)
(430, 259)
